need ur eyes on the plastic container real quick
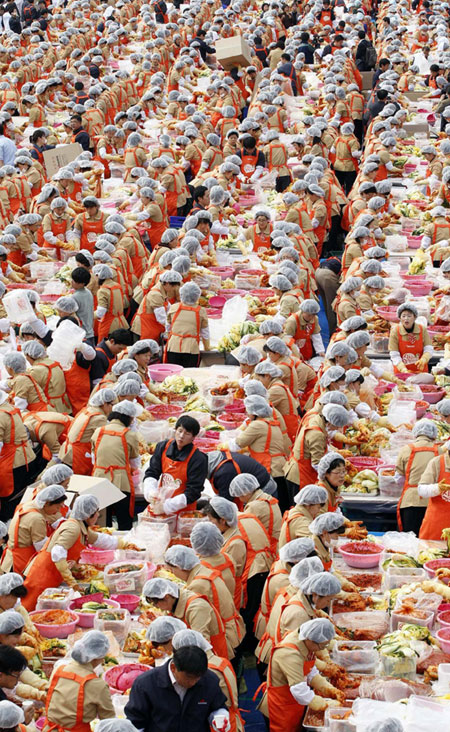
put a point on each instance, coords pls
(420, 290)
(67, 337)
(43, 270)
(186, 521)
(354, 559)
(426, 622)
(398, 576)
(231, 420)
(56, 631)
(237, 405)
(223, 272)
(127, 581)
(119, 626)
(120, 678)
(443, 637)
(127, 602)
(247, 282)
(365, 463)
(18, 307)
(403, 668)
(388, 312)
(61, 602)
(431, 393)
(159, 371)
(421, 409)
(154, 431)
(444, 673)
(97, 557)
(86, 620)
(432, 565)
(218, 402)
(443, 619)
(263, 293)
(388, 484)
(379, 342)
(362, 659)
(169, 521)
(337, 720)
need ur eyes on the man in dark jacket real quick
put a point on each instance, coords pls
(79, 133)
(182, 695)
(200, 43)
(361, 51)
(306, 48)
(222, 469)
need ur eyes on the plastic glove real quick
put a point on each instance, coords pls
(150, 487)
(172, 505)
(401, 367)
(4, 325)
(221, 722)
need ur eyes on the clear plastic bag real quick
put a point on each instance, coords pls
(391, 690)
(426, 715)
(442, 312)
(402, 542)
(165, 489)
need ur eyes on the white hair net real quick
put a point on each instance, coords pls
(142, 345)
(311, 495)
(243, 484)
(115, 725)
(33, 349)
(334, 373)
(127, 408)
(50, 493)
(56, 474)
(326, 522)
(296, 550)
(305, 568)
(325, 463)
(158, 588)
(257, 406)
(386, 725)
(358, 339)
(94, 644)
(407, 306)
(270, 326)
(266, 367)
(10, 621)
(319, 630)
(310, 307)
(425, 427)
(163, 629)
(190, 293)
(248, 356)
(10, 715)
(225, 509)
(66, 304)
(185, 638)
(181, 556)
(276, 345)
(101, 397)
(323, 583)
(16, 362)
(9, 582)
(444, 407)
(84, 507)
(206, 539)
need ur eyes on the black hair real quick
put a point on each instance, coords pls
(20, 591)
(36, 135)
(382, 94)
(77, 117)
(434, 67)
(121, 336)
(384, 61)
(189, 424)
(144, 350)
(78, 86)
(208, 510)
(304, 37)
(286, 57)
(335, 464)
(369, 190)
(338, 37)
(199, 192)
(17, 631)
(124, 418)
(333, 264)
(57, 500)
(11, 660)
(360, 379)
(361, 35)
(201, 32)
(191, 660)
(81, 276)
(340, 530)
(81, 259)
(249, 142)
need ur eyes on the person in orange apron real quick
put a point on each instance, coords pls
(245, 487)
(51, 566)
(326, 528)
(30, 526)
(435, 485)
(89, 226)
(151, 316)
(411, 463)
(309, 503)
(195, 610)
(259, 233)
(184, 462)
(207, 542)
(331, 471)
(188, 325)
(110, 302)
(279, 395)
(410, 347)
(76, 695)
(292, 677)
(25, 390)
(76, 450)
(304, 327)
(115, 451)
(55, 226)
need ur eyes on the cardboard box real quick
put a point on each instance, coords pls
(412, 128)
(105, 491)
(233, 51)
(415, 95)
(60, 157)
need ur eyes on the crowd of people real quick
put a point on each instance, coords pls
(286, 166)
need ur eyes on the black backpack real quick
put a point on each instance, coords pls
(371, 57)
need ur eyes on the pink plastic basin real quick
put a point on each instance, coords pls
(217, 301)
(409, 168)
(388, 312)
(86, 620)
(431, 393)
(164, 411)
(231, 420)
(443, 636)
(363, 561)
(444, 619)
(99, 557)
(414, 242)
(127, 602)
(206, 444)
(365, 463)
(432, 565)
(420, 290)
(236, 406)
(121, 678)
(232, 292)
(56, 631)
(160, 371)
(421, 409)
(223, 272)
(415, 279)
(263, 293)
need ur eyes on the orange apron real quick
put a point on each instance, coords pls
(109, 469)
(266, 595)
(221, 668)
(272, 502)
(51, 399)
(7, 454)
(195, 310)
(411, 349)
(289, 601)
(226, 564)
(52, 418)
(262, 241)
(292, 419)
(21, 554)
(105, 323)
(90, 232)
(265, 458)
(217, 641)
(216, 600)
(284, 712)
(78, 387)
(251, 553)
(228, 458)
(303, 338)
(82, 465)
(59, 226)
(178, 470)
(44, 573)
(79, 726)
(307, 474)
(248, 166)
(437, 516)
(407, 484)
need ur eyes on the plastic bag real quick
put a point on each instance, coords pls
(165, 489)
(367, 711)
(391, 690)
(442, 312)
(235, 311)
(402, 542)
(426, 715)
(364, 625)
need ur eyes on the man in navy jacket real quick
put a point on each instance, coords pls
(181, 696)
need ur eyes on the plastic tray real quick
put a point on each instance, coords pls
(362, 660)
(334, 721)
(398, 576)
(397, 620)
(126, 582)
(403, 668)
(119, 628)
(45, 602)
